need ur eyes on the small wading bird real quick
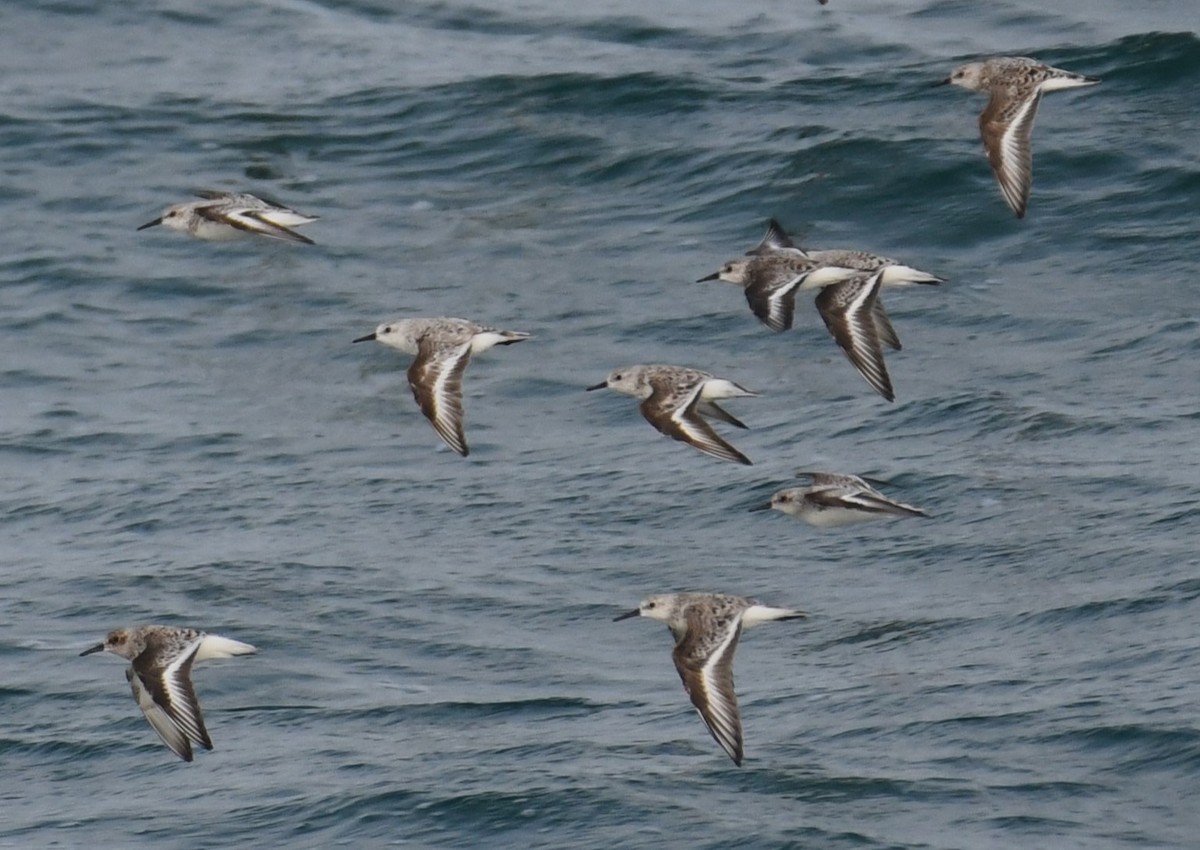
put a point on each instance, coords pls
(222, 216)
(443, 346)
(676, 399)
(706, 627)
(834, 500)
(1016, 85)
(848, 285)
(161, 677)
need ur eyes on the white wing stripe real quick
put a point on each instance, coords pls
(160, 721)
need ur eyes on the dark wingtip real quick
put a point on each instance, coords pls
(774, 239)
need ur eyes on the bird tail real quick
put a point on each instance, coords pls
(756, 614)
(215, 646)
(486, 339)
(511, 336)
(715, 388)
(901, 275)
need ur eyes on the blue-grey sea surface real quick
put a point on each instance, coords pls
(188, 437)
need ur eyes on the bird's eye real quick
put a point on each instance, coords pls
(651, 604)
(388, 329)
(617, 376)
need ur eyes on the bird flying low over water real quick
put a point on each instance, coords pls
(835, 499)
(443, 346)
(161, 677)
(706, 628)
(1016, 85)
(845, 301)
(676, 399)
(222, 216)
(848, 285)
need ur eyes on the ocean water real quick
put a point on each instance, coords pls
(187, 435)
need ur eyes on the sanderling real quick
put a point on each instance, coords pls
(229, 215)
(895, 273)
(443, 347)
(846, 301)
(161, 677)
(1016, 85)
(834, 499)
(675, 399)
(706, 627)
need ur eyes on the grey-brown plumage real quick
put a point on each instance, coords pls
(771, 280)
(161, 677)
(443, 347)
(675, 400)
(706, 628)
(849, 313)
(1016, 85)
(228, 215)
(895, 273)
(847, 299)
(836, 499)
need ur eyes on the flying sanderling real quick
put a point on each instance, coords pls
(443, 347)
(895, 273)
(706, 627)
(675, 399)
(229, 215)
(834, 499)
(161, 677)
(846, 302)
(1016, 85)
